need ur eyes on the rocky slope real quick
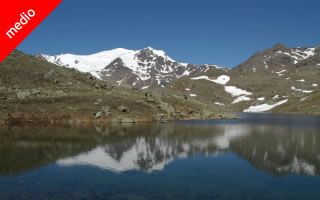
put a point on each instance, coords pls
(146, 68)
(280, 57)
(277, 79)
(34, 90)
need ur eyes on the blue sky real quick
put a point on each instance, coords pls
(223, 32)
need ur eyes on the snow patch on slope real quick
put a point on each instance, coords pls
(299, 54)
(234, 91)
(240, 99)
(300, 90)
(264, 107)
(222, 80)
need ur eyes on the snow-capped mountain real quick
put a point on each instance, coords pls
(146, 68)
(279, 57)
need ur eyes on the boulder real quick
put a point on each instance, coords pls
(35, 91)
(97, 86)
(89, 76)
(227, 116)
(166, 107)
(106, 86)
(148, 94)
(190, 110)
(3, 89)
(109, 87)
(151, 100)
(23, 95)
(135, 88)
(205, 114)
(127, 120)
(3, 96)
(123, 109)
(98, 115)
(161, 117)
(59, 93)
(106, 110)
(185, 97)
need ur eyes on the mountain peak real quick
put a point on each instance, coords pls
(151, 51)
(279, 47)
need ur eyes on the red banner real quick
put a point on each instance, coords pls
(18, 19)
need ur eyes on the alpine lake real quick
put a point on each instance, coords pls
(259, 157)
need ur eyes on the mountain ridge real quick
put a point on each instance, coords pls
(278, 57)
(145, 68)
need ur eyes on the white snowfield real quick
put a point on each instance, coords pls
(264, 107)
(95, 63)
(261, 99)
(222, 80)
(193, 95)
(300, 90)
(302, 80)
(234, 91)
(218, 103)
(187, 89)
(315, 85)
(240, 99)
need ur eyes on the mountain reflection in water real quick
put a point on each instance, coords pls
(275, 144)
